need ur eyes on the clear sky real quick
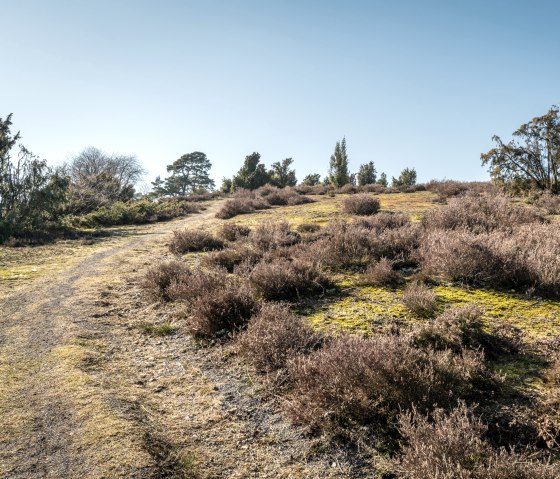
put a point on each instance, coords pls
(409, 83)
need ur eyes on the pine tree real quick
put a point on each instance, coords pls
(281, 175)
(383, 180)
(406, 178)
(312, 179)
(189, 173)
(367, 174)
(339, 174)
(252, 174)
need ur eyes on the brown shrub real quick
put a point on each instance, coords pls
(549, 203)
(199, 283)
(530, 256)
(159, 278)
(449, 446)
(222, 311)
(230, 258)
(347, 189)
(275, 336)
(287, 280)
(381, 274)
(194, 240)
(354, 382)
(459, 256)
(383, 221)
(232, 231)
(346, 245)
(285, 196)
(308, 227)
(240, 205)
(361, 204)
(480, 214)
(270, 235)
(420, 299)
(373, 188)
(445, 189)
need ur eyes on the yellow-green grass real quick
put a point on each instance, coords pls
(326, 208)
(369, 309)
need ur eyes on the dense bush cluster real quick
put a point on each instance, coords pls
(353, 382)
(136, 212)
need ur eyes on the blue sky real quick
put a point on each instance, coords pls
(420, 84)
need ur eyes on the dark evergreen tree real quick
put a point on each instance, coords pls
(281, 175)
(383, 180)
(339, 174)
(252, 174)
(189, 173)
(32, 195)
(158, 188)
(367, 175)
(312, 179)
(406, 178)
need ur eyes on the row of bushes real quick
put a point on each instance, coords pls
(136, 212)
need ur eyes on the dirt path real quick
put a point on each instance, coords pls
(86, 393)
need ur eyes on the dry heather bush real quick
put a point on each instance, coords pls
(160, 277)
(198, 283)
(341, 245)
(455, 328)
(353, 382)
(270, 235)
(286, 196)
(373, 188)
(362, 204)
(216, 303)
(461, 327)
(459, 256)
(347, 245)
(287, 280)
(526, 256)
(230, 258)
(531, 256)
(240, 205)
(308, 227)
(445, 189)
(347, 189)
(449, 446)
(275, 336)
(480, 214)
(420, 299)
(381, 274)
(222, 311)
(232, 232)
(549, 203)
(194, 240)
(383, 221)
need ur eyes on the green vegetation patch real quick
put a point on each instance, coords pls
(370, 309)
